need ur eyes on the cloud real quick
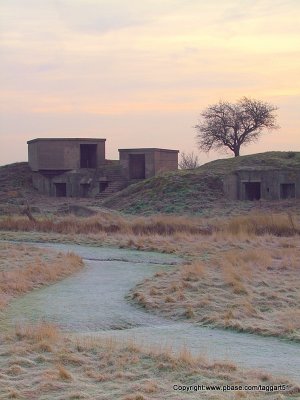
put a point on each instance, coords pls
(42, 68)
(102, 16)
(80, 60)
(97, 17)
(238, 10)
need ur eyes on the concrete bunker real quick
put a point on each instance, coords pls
(143, 163)
(60, 189)
(88, 155)
(84, 189)
(103, 185)
(262, 182)
(287, 191)
(77, 167)
(252, 190)
(137, 166)
(62, 154)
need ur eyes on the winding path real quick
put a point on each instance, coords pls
(92, 302)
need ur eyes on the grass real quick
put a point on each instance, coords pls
(243, 272)
(107, 223)
(23, 268)
(253, 289)
(260, 224)
(87, 368)
(110, 223)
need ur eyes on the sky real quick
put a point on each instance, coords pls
(139, 72)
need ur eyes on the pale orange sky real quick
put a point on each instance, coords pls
(139, 72)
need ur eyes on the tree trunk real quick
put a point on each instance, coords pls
(236, 151)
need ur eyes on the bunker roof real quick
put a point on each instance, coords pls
(266, 168)
(149, 149)
(66, 139)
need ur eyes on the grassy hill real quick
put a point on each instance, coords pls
(15, 180)
(15, 187)
(198, 191)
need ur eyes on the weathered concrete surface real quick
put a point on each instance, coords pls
(273, 183)
(77, 167)
(61, 154)
(156, 161)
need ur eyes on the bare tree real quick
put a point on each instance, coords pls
(188, 161)
(231, 125)
(27, 211)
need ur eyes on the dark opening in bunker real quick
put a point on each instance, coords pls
(88, 156)
(60, 189)
(287, 191)
(137, 166)
(252, 190)
(84, 189)
(102, 186)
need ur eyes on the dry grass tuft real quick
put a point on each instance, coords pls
(224, 366)
(13, 394)
(44, 347)
(262, 224)
(193, 271)
(43, 332)
(169, 299)
(149, 386)
(185, 356)
(189, 313)
(77, 396)
(64, 374)
(137, 396)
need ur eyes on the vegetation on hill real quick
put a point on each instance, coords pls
(197, 191)
(15, 176)
(15, 185)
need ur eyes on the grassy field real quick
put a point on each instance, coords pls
(254, 288)
(241, 272)
(39, 362)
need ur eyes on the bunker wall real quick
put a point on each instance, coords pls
(156, 161)
(272, 184)
(165, 161)
(33, 156)
(61, 154)
(76, 183)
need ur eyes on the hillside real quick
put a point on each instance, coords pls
(15, 184)
(198, 191)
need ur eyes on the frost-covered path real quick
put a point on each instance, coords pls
(92, 302)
